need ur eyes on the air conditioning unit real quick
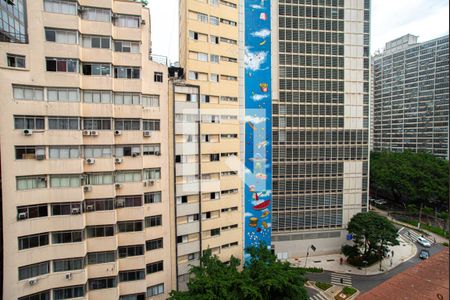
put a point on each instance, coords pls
(32, 281)
(90, 207)
(27, 132)
(22, 216)
(90, 161)
(118, 160)
(150, 182)
(147, 133)
(120, 203)
(40, 157)
(135, 154)
(76, 211)
(68, 276)
(43, 178)
(86, 132)
(94, 133)
(143, 22)
(87, 188)
(157, 153)
(117, 132)
(118, 186)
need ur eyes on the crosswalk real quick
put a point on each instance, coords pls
(318, 296)
(341, 279)
(412, 235)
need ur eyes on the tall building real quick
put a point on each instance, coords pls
(320, 122)
(207, 135)
(84, 154)
(411, 96)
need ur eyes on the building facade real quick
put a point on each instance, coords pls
(84, 155)
(320, 122)
(411, 96)
(207, 135)
(13, 21)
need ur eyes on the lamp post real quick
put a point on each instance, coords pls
(313, 248)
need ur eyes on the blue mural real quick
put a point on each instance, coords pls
(258, 124)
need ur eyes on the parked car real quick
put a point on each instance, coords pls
(423, 242)
(424, 254)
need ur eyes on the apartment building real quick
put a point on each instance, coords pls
(84, 152)
(320, 122)
(207, 135)
(411, 96)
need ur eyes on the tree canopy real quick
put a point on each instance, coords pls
(263, 278)
(410, 178)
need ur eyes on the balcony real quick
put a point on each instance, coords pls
(102, 270)
(187, 248)
(186, 169)
(188, 228)
(187, 209)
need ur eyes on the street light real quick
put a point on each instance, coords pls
(313, 248)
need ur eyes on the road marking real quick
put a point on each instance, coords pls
(341, 279)
(318, 297)
(412, 235)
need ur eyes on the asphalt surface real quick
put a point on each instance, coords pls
(366, 283)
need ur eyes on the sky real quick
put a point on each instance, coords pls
(390, 19)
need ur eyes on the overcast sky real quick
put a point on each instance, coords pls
(390, 19)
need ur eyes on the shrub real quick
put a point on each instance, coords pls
(349, 291)
(323, 285)
(312, 270)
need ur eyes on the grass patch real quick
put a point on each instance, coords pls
(347, 291)
(437, 230)
(323, 285)
(312, 270)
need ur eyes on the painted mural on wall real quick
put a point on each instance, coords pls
(258, 124)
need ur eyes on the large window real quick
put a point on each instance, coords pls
(154, 149)
(15, 61)
(127, 124)
(28, 93)
(154, 197)
(61, 36)
(127, 21)
(63, 123)
(129, 201)
(92, 41)
(68, 264)
(99, 205)
(25, 122)
(155, 290)
(130, 226)
(153, 221)
(132, 275)
(96, 14)
(126, 46)
(150, 100)
(31, 212)
(102, 283)
(67, 237)
(63, 95)
(101, 257)
(31, 182)
(65, 181)
(64, 209)
(127, 72)
(152, 125)
(128, 176)
(155, 267)
(154, 244)
(100, 231)
(91, 69)
(97, 124)
(100, 178)
(127, 98)
(64, 152)
(34, 270)
(29, 152)
(38, 296)
(97, 151)
(33, 241)
(68, 293)
(97, 96)
(122, 151)
(128, 251)
(61, 7)
(68, 65)
(152, 174)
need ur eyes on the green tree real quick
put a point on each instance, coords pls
(410, 178)
(372, 236)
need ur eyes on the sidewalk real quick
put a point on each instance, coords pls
(403, 252)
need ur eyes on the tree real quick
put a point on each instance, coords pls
(372, 236)
(410, 178)
(263, 278)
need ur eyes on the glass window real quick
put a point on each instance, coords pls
(99, 205)
(63, 123)
(127, 72)
(129, 201)
(154, 244)
(155, 267)
(102, 283)
(15, 61)
(31, 212)
(28, 93)
(65, 181)
(34, 270)
(29, 152)
(67, 65)
(90, 69)
(214, 20)
(39, 296)
(122, 151)
(152, 174)
(127, 21)
(129, 251)
(64, 152)
(154, 197)
(154, 149)
(130, 226)
(127, 46)
(61, 36)
(97, 151)
(101, 257)
(97, 96)
(100, 42)
(127, 124)
(128, 176)
(61, 7)
(132, 275)
(152, 125)
(26, 122)
(68, 264)
(99, 179)
(63, 95)
(63, 209)
(97, 124)
(67, 237)
(99, 231)
(68, 292)
(127, 98)
(30, 183)
(33, 241)
(158, 77)
(155, 290)
(153, 221)
(150, 100)
(96, 14)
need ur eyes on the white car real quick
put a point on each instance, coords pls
(423, 242)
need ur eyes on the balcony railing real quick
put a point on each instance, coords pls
(159, 59)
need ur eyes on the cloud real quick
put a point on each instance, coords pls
(259, 97)
(248, 215)
(254, 60)
(263, 33)
(254, 120)
(256, 6)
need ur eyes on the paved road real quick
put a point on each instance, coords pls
(315, 295)
(366, 283)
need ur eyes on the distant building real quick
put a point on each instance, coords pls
(411, 97)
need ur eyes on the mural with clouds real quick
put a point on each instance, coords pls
(258, 124)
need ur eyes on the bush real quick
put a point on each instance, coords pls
(358, 261)
(349, 291)
(350, 251)
(445, 244)
(311, 270)
(323, 285)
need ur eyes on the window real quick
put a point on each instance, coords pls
(228, 22)
(102, 283)
(68, 293)
(100, 231)
(193, 75)
(31, 183)
(155, 290)
(214, 157)
(152, 174)
(25, 122)
(131, 275)
(61, 36)
(193, 256)
(101, 257)
(214, 39)
(158, 77)
(127, 21)
(150, 198)
(91, 69)
(155, 267)
(28, 93)
(68, 65)
(129, 251)
(39, 296)
(182, 200)
(67, 152)
(65, 181)
(154, 244)
(150, 100)
(214, 20)
(29, 152)
(128, 176)
(33, 241)
(126, 46)
(68, 264)
(99, 178)
(99, 205)
(153, 221)
(97, 151)
(63, 95)
(202, 17)
(133, 297)
(152, 125)
(100, 42)
(96, 14)
(192, 218)
(63, 123)
(31, 212)
(127, 98)
(127, 124)
(214, 58)
(63, 209)
(97, 96)
(127, 72)
(122, 151)
(16, 61)
(182, 239)
(97, 124)
(154, 149)
(130, 201)
(214, 77)
(34, 270)
(202, 57)
(67, 237)
(130, 226)
(60, 7)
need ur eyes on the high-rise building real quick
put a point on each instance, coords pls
(84, 154)
(207, 135)
(411, 96)
(320, 122)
